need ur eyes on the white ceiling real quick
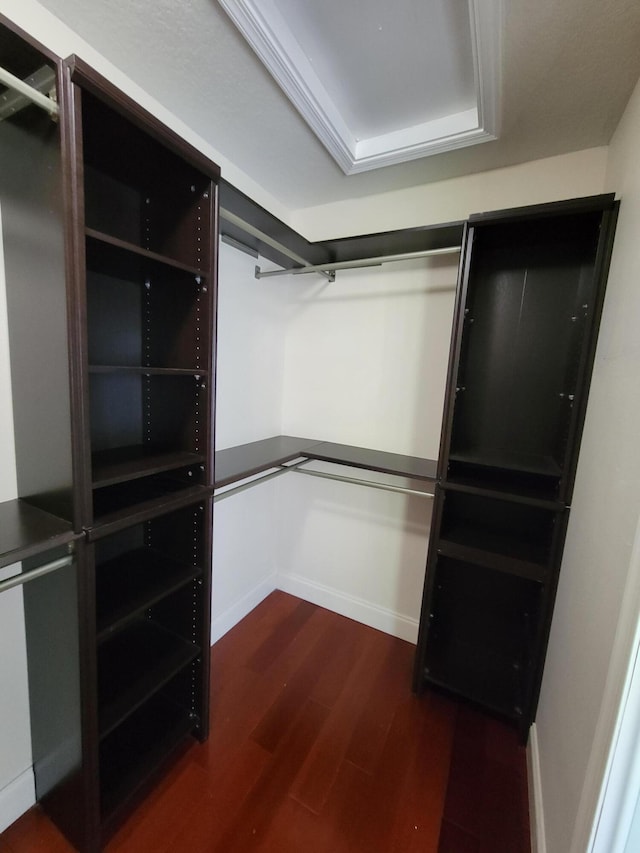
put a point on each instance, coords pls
(382, 83)
(568, 68)
(383, 79)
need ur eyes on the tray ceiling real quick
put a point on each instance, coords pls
(382, 83)
(568, 69)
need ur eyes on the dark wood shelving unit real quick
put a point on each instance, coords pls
(131, 618)
(530, 295)
(145, 276)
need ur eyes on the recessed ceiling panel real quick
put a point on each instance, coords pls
(382, 82)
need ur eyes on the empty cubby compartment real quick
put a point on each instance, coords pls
(144, 313)
(509, 528)
(481, 633)
(149, 198)
(527, 310)
(156, 412)
(146, 563)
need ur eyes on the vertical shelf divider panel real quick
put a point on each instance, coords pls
(530, 296)
(142, 280)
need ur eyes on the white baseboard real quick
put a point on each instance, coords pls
(359, 609)
(16, 798)
(536, 810)
(225, 621)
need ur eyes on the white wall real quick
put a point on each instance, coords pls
(252, 319)
(252, 323)
(366, 356)
(361, 361)
(565, 176)
(578, 703)
(355, 550)
(16, 779)
(366, 362)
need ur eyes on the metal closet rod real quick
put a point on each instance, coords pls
(361, 262)
(18, 85)
(281, 469)
(25, 577)
(230, 217)
(386, 487)
(298, 468)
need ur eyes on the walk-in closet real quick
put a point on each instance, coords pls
(207, 407)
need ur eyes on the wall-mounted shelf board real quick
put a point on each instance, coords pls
(149, 497)
(414, 467)
(26, 531)
(257, 221)
(246, 460)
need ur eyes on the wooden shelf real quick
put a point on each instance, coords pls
(515, 485)
(126, 504)
(26, 531)
(246, 460)
(515, 462)
(127, 585)
(513, 532)
(521, 568)
(131, 463)
(413, 467)
(482, 538)
(134, 665)
(119, 257)
(498, 489)
(138, 370)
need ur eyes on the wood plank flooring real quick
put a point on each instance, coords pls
(318, 746)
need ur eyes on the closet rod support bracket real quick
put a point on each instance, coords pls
(328, 274)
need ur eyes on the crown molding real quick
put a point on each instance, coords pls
(267, 32)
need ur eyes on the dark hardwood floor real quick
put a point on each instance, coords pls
(319, 746)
